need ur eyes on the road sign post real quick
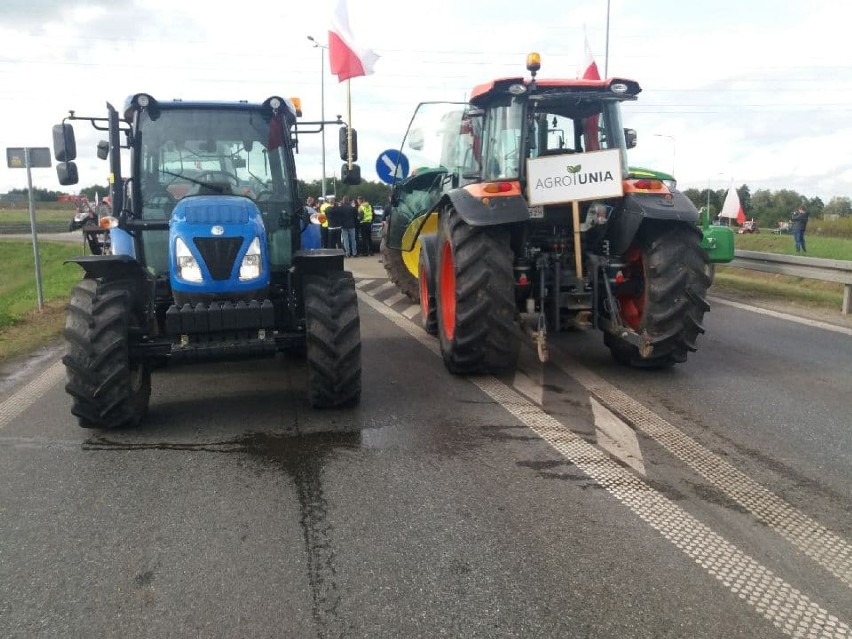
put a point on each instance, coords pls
(29, 158)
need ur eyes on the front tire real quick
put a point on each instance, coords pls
(333, 340)
(108, 390)
(426, 280)
(477, 318)
(398, 272)
(666, 300)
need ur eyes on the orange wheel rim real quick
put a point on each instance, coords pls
(424, 293)
(448, 291)
(632, 304)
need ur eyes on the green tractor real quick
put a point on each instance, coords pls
(525, 218)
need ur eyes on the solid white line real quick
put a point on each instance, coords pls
(363, 283)
(776, 600)
(784, 316)
(29, 394)
(530, 387)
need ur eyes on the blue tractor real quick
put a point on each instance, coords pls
(212, 257)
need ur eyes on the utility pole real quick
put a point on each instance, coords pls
(322, 48)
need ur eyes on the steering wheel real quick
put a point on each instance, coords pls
(264, 196)
(205, 177)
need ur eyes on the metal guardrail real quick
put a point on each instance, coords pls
(813, 268)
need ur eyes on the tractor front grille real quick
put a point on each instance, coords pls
(219, 253)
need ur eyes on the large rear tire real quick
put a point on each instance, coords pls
(477, 317)
(398, 272)
(667, 300)
(108, 390)
(333, 341)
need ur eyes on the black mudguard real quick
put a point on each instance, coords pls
(113, 267)
(625, 223)
(499, 210)
(318, 261)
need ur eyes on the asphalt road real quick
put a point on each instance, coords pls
(573, 499)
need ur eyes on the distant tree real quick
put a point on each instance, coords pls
(841, 206)
(39, 195)
(744, 194)
(98, 189)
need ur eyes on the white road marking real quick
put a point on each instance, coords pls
(784, 316)
(384, 287)
(30, 393)
(617, 438)
(393, 299)
(776, 600)
(411, 311)
(813, 539)
(363, 283)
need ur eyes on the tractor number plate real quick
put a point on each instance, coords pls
(536, 212)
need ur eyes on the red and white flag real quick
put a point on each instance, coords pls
(346, 58)
(732, 208)
(588, 68)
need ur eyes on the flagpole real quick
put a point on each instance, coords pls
(349, 125)
(606, 52)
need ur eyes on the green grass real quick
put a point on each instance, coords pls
(834, 248)
(22, 326)
(44, 213)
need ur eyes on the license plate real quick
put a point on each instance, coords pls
(536, 212)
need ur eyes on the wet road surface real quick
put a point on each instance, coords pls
(570, 499)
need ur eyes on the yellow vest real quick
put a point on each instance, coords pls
(323, 208)
(366, 212)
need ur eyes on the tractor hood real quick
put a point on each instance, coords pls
(210, 246)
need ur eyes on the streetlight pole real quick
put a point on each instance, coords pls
(674, 150)
(322, 48)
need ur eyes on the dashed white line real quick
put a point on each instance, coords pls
(411, 311)
(393, 299)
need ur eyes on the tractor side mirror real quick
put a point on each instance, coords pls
(66, 173)
(343, 143)
(630, 137)
(103, 150)
(350, 175)
(64, 143)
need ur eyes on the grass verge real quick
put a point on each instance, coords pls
(23, 328)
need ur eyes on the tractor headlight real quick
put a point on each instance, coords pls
(187, 266)
(251, 266)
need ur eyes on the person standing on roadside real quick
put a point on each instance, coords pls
(799, 222)
(334, 215)
(365, 216)
(348, 226)
(323, 210)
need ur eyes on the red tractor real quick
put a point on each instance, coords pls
(524, 218)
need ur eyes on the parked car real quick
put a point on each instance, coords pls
(749, 226)
(376, 228)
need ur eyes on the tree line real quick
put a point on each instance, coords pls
(765, 206)
(770, 207)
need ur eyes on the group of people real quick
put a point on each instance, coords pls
(345, 224)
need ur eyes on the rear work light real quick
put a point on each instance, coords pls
(648, 185)
(497, 187)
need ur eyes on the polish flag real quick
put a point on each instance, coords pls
(588, 68)
(346, 58)
(732, 208)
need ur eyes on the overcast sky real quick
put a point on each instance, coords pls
(754, 91)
